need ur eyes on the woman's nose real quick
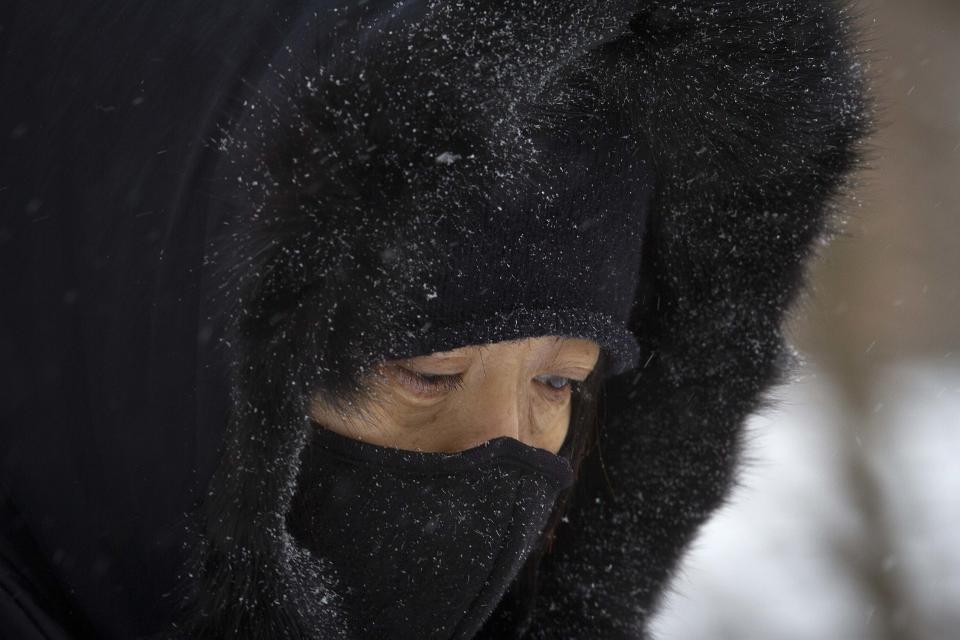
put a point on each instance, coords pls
(503, 424)
(493, 412)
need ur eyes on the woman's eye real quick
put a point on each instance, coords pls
(433, 383)
(558, 384)
(428, 382)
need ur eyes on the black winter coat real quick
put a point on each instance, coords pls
(119, 389)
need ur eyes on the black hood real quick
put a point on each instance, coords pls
(161, 319)
(114, 399)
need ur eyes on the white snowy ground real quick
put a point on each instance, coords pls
(773, 565)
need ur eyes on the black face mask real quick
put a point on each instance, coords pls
(425, 544)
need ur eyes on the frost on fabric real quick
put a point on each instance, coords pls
(380, 153)
(427, 542)
(377, 145)
(418, 160)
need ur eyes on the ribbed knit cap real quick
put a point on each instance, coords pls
(451, 174)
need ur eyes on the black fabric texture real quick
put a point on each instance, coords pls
(444, 169)
(113, 397)
(211, 211)
(423, 545)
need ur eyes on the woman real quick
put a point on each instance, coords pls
(489, 294)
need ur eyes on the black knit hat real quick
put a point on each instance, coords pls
(453, 171)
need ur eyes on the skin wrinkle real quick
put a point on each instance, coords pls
(391, 413)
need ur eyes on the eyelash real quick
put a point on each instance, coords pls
(434, 383)
(430, 384)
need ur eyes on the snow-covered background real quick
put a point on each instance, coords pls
(789, 557)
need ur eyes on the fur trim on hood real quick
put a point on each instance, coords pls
(750, 114)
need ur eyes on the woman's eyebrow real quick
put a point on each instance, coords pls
(571, 359)
(449, 356)
(579, 366)
(436, 358)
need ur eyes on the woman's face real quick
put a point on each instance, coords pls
(453, 400)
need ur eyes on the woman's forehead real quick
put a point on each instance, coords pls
(537, 346)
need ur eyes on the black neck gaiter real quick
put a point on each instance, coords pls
(425, 544)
